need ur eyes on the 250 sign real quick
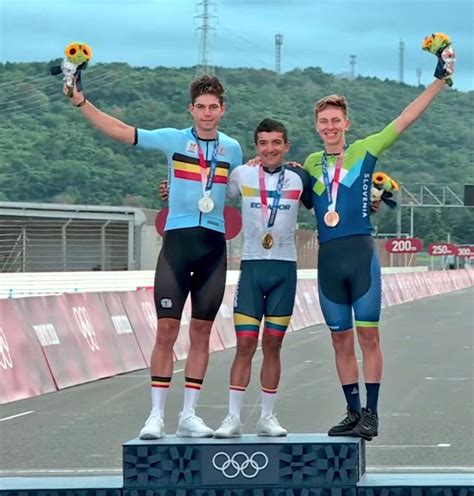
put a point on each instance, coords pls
(442, 249)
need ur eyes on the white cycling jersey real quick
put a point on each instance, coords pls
(296, 186)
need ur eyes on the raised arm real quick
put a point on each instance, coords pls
(418, 106)
(106, 124)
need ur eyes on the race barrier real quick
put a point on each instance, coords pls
(49, 343)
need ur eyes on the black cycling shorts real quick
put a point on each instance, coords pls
(192, 260)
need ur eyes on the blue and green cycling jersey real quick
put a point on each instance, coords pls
(184, 177)
(353, 200)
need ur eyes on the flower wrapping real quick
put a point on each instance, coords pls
(383, 188)
(77, 55)
(440, 45)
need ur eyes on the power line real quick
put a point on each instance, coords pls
(204, 30)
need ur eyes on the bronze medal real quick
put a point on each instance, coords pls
(267, 241)
(331, 218)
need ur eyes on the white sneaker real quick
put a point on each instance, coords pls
(192, 426)
(269, 426)
(154, 427)
(230, 427)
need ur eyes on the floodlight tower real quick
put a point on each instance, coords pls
(278, 44)
(401, 62)
(352, 63)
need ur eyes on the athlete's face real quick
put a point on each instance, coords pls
(207, 112)
(271, 148)
(331, 125)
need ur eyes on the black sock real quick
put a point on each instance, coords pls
(351, 392)
(372, 396)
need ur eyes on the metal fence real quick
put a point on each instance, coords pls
(63, 244)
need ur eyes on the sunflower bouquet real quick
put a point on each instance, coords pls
(440, 45)
(383, 189)
(77, 56)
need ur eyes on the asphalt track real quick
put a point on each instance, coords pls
(427, 400)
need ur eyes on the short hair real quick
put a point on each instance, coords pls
(206, 85)
(334, 101)
(268, 126)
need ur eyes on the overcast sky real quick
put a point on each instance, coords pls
(316, 33)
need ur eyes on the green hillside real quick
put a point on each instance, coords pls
(49, 153)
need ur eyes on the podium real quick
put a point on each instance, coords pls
(296, 465)
(272, 465)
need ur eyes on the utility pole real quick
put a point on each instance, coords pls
(278, 44)
(418, 75)
(352, 63)
(401, 62)
(204, 29)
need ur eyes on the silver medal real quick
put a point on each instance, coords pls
(206, 204)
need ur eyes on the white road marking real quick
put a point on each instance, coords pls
(16, 416)
(5, 473)
(398, 446)
(420, 468)
(448, 378)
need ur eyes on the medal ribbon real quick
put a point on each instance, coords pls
(207, 180)
(269, 220)
(332, 189)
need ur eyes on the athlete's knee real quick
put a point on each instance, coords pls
(246, 348)
(271, 345)
(200, 333)
(343, 342)
(369, 338)
(167, 333)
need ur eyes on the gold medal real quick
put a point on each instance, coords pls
(267, 241)
(331, 218)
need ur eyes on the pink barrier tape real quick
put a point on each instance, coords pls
(24, 371)
(90, 320)
(181, 347)
(46, 318)
(125, 337)
(215, 341)
(58, 341)
(298, 320)
(224, 322)
(141, 313)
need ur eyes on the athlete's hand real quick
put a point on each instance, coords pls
(254, 162)
(163, 190)
(374, 206)
(295, 164)
(77, 96)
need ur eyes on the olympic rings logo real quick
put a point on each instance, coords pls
(5, 356)
(85, 326)
(240, 463)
